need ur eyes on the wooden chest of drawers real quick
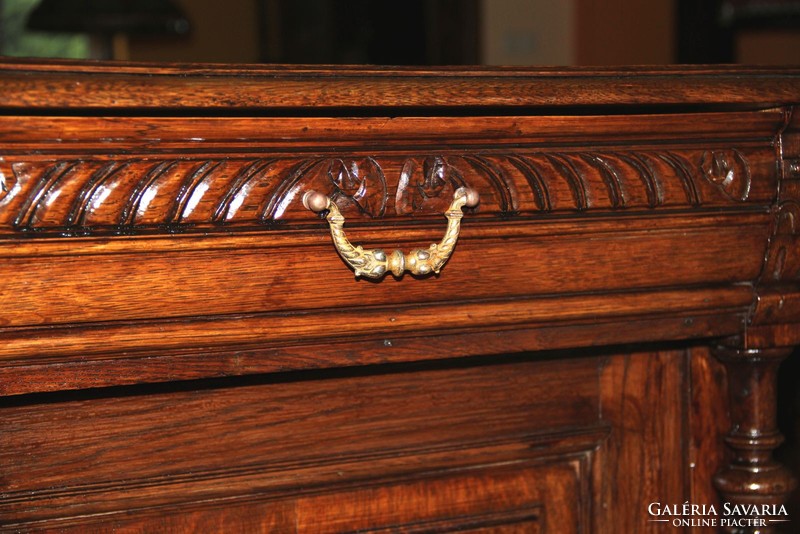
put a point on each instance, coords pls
(185, 349)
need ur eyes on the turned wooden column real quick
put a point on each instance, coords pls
(753, 476)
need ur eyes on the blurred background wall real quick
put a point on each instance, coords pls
(495, 32)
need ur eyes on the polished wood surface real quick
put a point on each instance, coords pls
(182, 349)
(64, 84)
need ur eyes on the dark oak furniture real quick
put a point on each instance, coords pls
(183, 349)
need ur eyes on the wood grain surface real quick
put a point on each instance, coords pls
(642, 396)
(68, 85)
(185, 444)
(182, 349)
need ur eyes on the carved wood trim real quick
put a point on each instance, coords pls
(779, 282)
(129, 195)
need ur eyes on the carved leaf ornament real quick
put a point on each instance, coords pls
(131, 195)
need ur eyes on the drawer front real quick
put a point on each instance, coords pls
(152, 249)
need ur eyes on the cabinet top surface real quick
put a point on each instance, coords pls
(55, 84)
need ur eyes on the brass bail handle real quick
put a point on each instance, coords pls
(375, 263)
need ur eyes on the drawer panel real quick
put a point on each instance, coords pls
(186, 238)
(166, 285)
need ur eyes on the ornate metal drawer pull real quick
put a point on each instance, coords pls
(375, 263)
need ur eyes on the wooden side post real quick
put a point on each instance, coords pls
(753, 476)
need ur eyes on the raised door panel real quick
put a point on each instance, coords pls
(74, 459)
(505, 499)
(560, 441)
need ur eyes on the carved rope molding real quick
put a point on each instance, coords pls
(131, 194)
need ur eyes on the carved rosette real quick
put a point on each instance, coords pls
(729, 170)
